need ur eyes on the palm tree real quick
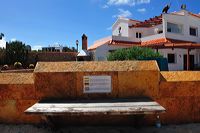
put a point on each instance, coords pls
(1, 36)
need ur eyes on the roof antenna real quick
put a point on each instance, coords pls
(166, 8)
(183, 6)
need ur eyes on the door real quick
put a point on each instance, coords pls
(191, 62)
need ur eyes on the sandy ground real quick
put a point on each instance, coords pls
(190, 128)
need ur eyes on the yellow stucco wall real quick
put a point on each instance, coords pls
(178, 92)
(17, 93)
(65, 80)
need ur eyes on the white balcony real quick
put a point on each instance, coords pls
(153, 37)
(120, 38)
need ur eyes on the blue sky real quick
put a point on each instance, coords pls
(45, 22)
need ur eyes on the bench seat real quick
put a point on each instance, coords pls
(96, 107)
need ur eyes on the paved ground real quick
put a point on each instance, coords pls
(190, 128)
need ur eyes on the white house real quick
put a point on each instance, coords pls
(175, 35)
(2, 43)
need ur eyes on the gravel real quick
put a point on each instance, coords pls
(189, 128)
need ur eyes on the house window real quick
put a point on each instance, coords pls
(193, 31)
(111, 51)
(174, 28)
(171, 58)
(160, 31)
(138, 35)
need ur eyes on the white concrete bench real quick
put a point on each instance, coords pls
(95, 107)
(133, 107)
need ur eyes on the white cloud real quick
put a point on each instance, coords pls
(109, 28)
(127, 2)
(105, 6)
(123, 13)
(37, 47)
(13, 39)
(142, 10)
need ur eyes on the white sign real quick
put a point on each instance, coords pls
(97, 84)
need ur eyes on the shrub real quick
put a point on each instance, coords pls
(31, 66)
(5, 67)
(16, 52)
(134, 53)
(18, 65)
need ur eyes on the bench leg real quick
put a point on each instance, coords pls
(158, 122)
(138, 121)
(48, 120)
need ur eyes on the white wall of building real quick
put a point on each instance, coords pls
(146, 32)
(126, 34)
(2, 43)
(101, 53)
(179, 57)
(152, 37)
(129, 34)
(187, 21)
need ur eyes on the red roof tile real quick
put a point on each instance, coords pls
(175, 45)
(195, 15)
(100, 42)
(163, 43)
(162, 40)
(135, 20)
(124, 43)
(149, 23)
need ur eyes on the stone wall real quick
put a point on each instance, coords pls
(65, 80)
(51, 56)
(17, 93)
(178, 92)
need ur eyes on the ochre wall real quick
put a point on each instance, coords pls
(17, 93)
(178, 92)
(65, 80)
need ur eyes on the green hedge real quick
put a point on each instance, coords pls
(134, 53)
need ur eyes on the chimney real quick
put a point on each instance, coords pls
(84, 42)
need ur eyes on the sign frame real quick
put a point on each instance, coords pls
(97, 84)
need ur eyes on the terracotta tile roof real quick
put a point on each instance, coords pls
(124, 43)
(175, 45)
(169, 43)
(135, 20)
(109, 41)
(100, 42)
(149, 23)
(158, 20)
(195, 15)
(156, 41)
(161, 41)
(182, 14)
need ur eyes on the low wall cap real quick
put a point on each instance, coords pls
(16, 78)
(180, 76)
(105, 66)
